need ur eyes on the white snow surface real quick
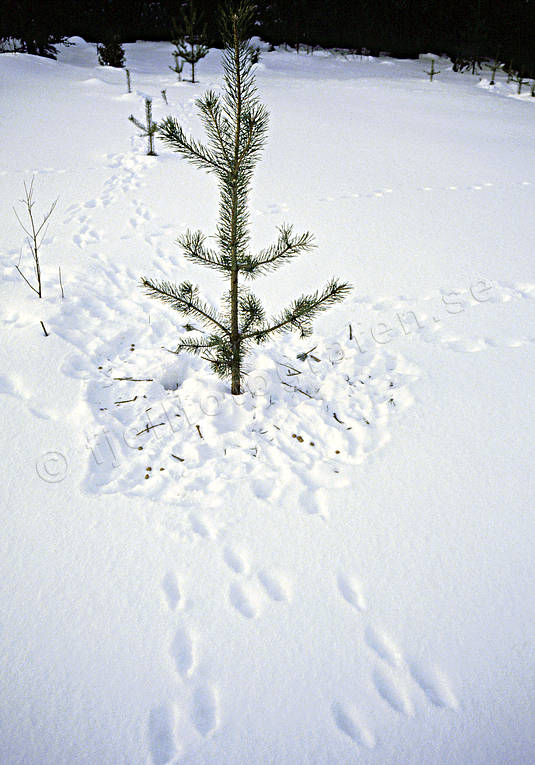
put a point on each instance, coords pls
(336, 566)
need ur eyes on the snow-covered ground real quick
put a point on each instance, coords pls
(338, 566)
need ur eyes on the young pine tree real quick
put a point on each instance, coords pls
(432, 72)
(520, 81)
(494, 67)
(111, 53)
(236, 125)
(148, 130)
(190, 41)
(178, 65)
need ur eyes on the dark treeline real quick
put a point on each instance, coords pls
(404, 28)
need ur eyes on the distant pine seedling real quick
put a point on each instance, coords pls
(149, 129)
(236, 124)
(432, 72)
(493, 67)
(189, 39)
(178, 65)
(520, 81)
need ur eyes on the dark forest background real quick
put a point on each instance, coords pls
(403, 28)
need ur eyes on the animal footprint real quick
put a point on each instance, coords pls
(262, 488)
(200, 526)
(182, 652)
(348, 721)
(392, 692)
(275, 587)
(318, 504)
(234, 560)
(435, 685)
(205, 710)
(351, 590)
(162, 746)
(7, 387)
(243, 601)
(384, 646)
(171, 591)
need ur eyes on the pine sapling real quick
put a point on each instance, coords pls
(178, 66)
(236, 124)
(191, 42)
(433, 71)
(475, 63)
(519, 79)
(149, 129)
(511, 73)
(493, 67)
(34, 236)
(111, 53)
(461, 63)
(164, 97)
(128, 84)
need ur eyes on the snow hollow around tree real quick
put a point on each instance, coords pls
(337, 565)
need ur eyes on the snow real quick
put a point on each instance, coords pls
(337, 566)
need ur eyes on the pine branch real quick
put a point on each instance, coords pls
(192, 244)
(299, 315)
(286, 248)
(184, 299)
(251, 312)
(210, 107)
(194, 54)
(218, 352)
(196, 346)
(172, 134)
(137, 123)
(255, 123)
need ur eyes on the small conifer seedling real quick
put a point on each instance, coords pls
(432, 72)
(178, 66)
(236, 125)
(149, 129)
(511, 74)
(190, 39)
(520, 81)
(493, 67)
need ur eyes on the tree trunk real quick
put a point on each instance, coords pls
(235, 388)
(234, 328)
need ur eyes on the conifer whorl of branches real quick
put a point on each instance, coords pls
(236, 125)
